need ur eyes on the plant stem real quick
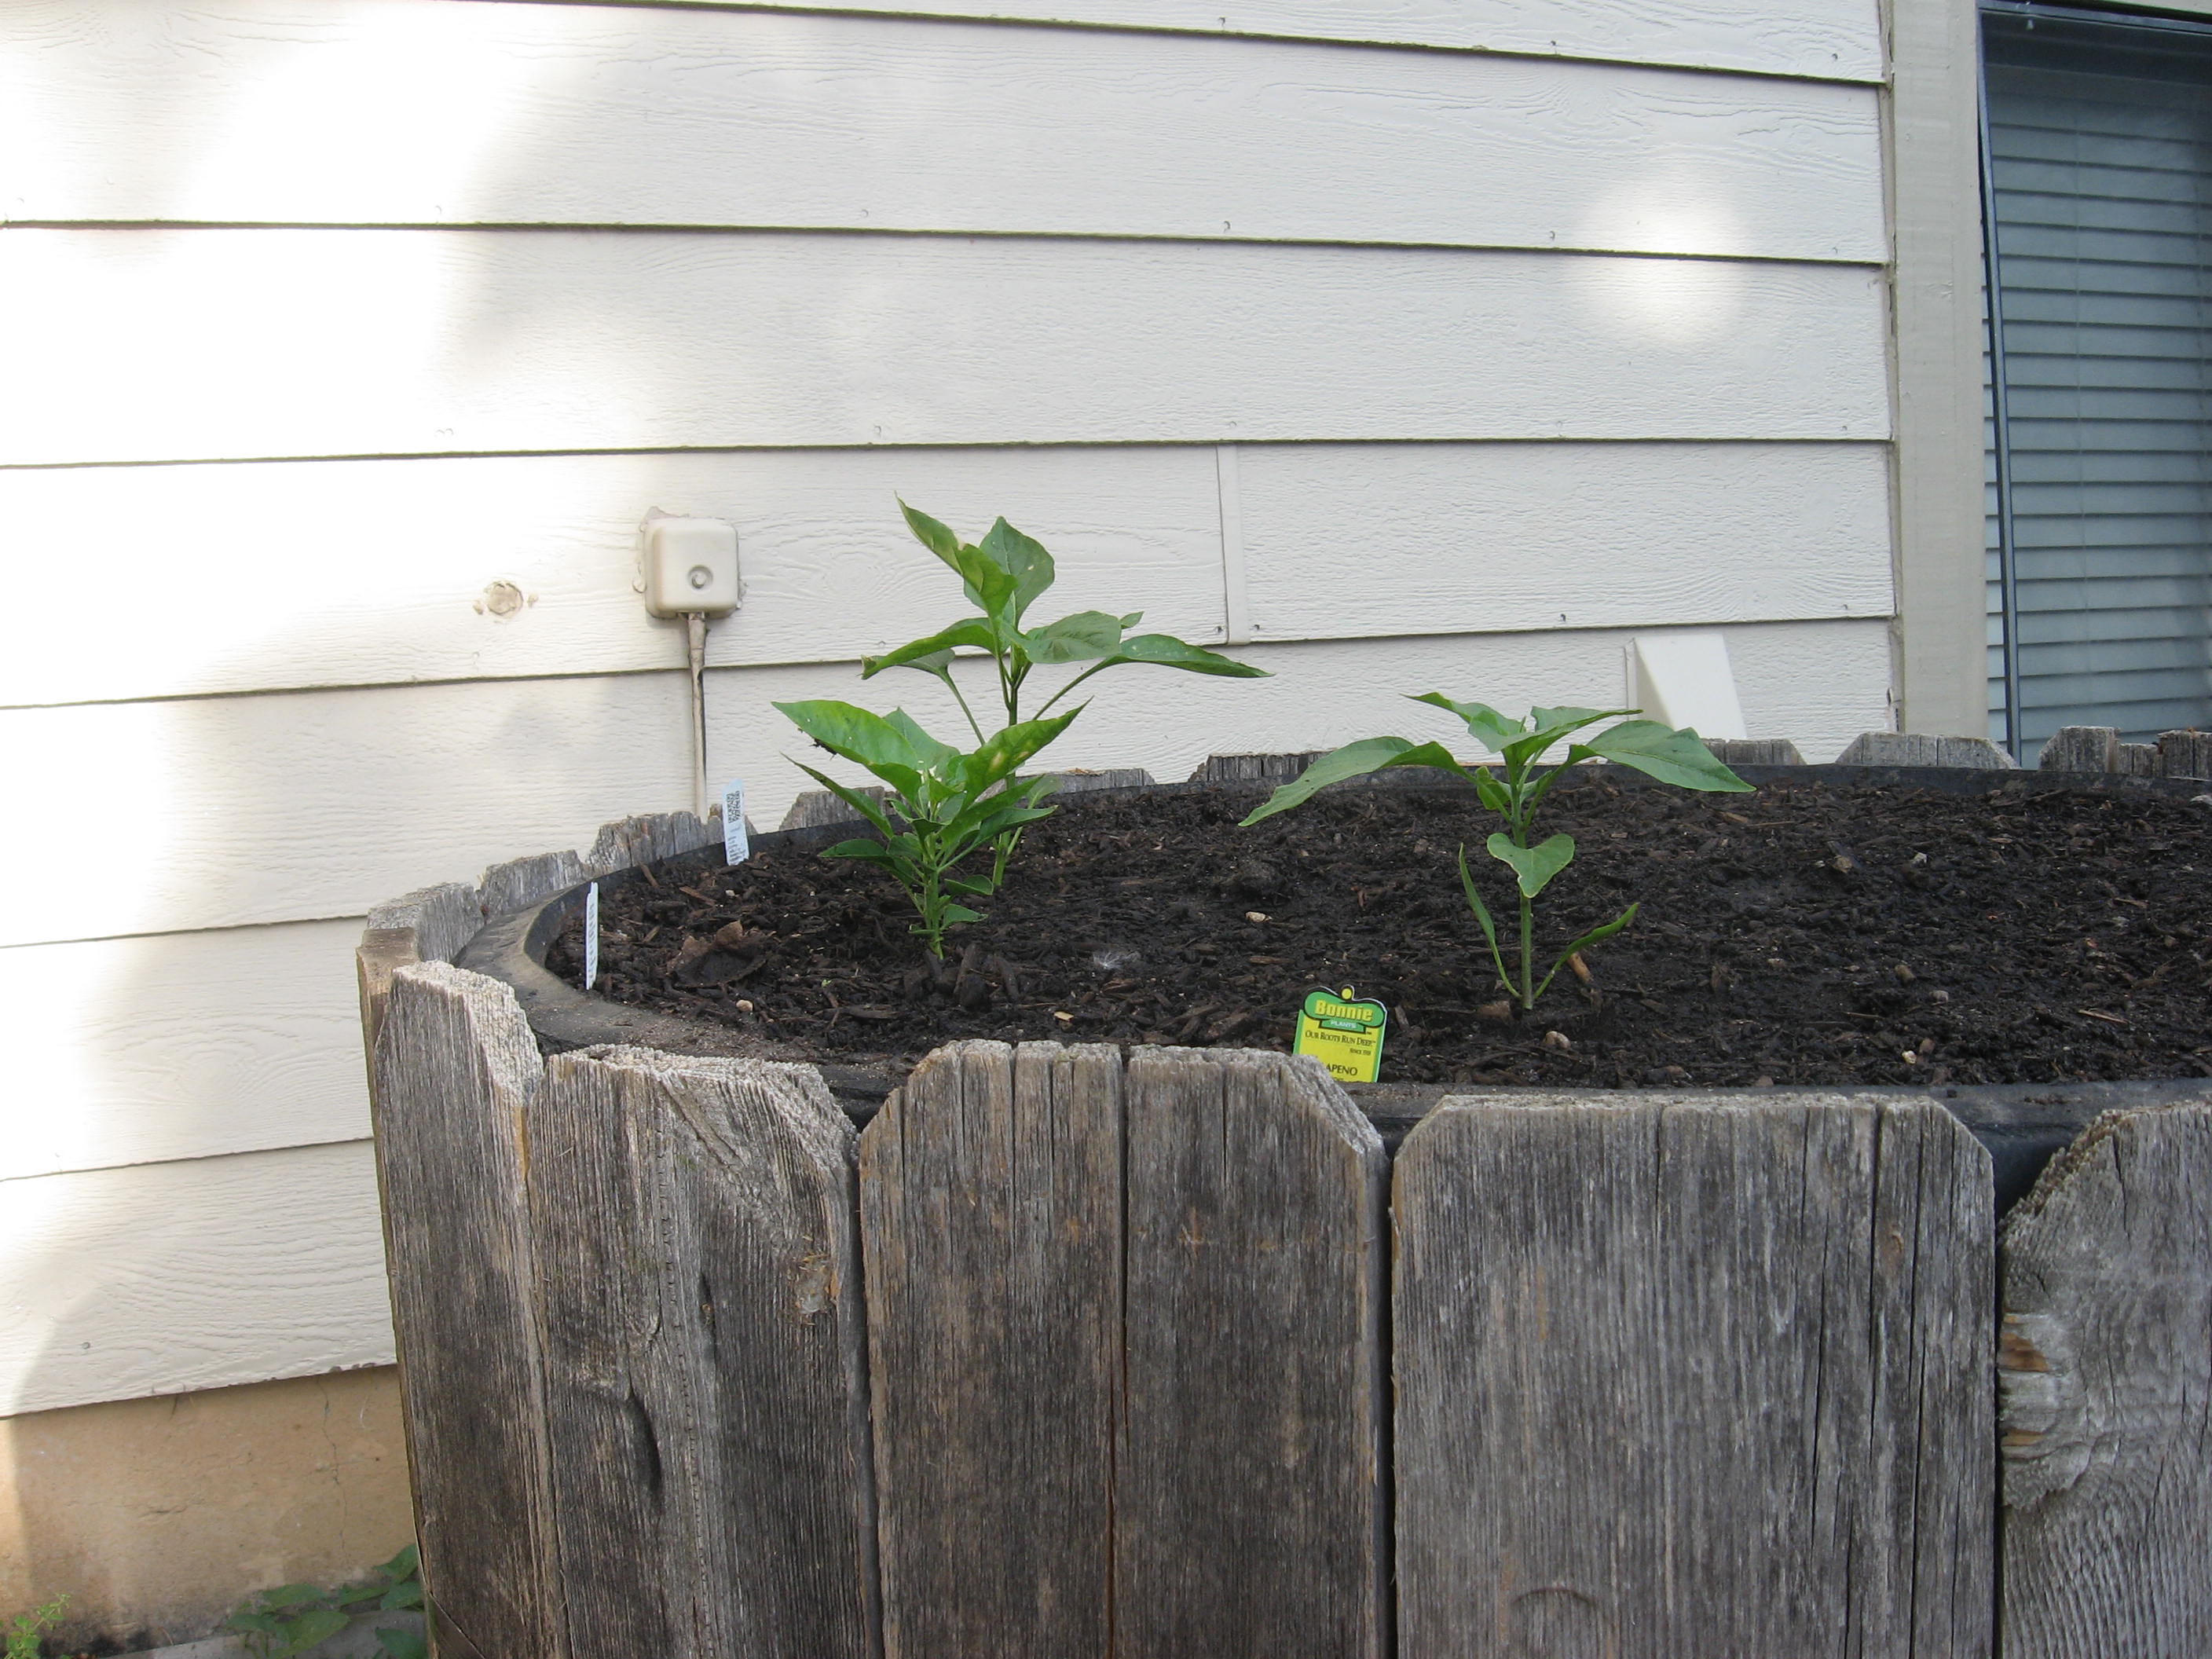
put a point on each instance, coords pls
(1528, 953)
(951, 686)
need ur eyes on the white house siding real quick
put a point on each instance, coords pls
(1415, 343)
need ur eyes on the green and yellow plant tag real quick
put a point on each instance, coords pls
(1343, 1033)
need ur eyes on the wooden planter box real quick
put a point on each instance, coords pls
(1074, 1351)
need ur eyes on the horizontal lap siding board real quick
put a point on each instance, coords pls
(1453, 537)
(183, 1046)
(706, 1386)
(1677, 1379)
(461, 341)
(313, 804)
(2106, 1378)
(165, 1277)
(1770, 37)
(1481, 538)
(403, 113)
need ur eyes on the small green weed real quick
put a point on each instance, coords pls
(24, 1632)
(292, 1619)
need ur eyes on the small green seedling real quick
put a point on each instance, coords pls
(941, 804)
(1003, 575)
(292, 1619)
(25, 1630)
(1678, 757)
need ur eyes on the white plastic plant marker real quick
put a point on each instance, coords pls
(736, 845)
(591, 934)
(1684, 679)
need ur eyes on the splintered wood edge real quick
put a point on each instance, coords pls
(2088, 1149)
(803, 1103)
(1305, 1081)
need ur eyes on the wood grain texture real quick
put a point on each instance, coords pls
(1774, 37)
(1484, 537)
(1249, 1498)
(657, 340)
(457, 1084)
(2079, 748)
(991, 1213)
(705, 1382)
(443, 918)
(167, 1277)
(2184, 754)
(2106, 1371)
(411, 115)
(407, 550)
(181, 1045)
(520, 883)
(1588, 1299)
(1913, 749)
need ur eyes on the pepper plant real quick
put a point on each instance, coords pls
(1003, 575)
(1679, 757)
(941, 804)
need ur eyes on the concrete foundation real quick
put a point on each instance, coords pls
(158, 1516)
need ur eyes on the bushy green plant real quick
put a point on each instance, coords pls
(25, 1630)
(292, 1619)
(941, 804)
(1003, 575)
(1678, 757)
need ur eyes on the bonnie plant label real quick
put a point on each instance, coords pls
(735, 847)
(591, 934)
(1343, 1033)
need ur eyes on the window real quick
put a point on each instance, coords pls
(2098, 207)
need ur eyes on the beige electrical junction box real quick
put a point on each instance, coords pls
(690, 565)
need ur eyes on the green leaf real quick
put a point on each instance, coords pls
(932, 535)
(1660, 751)
(356, 1594)
(1002, 754)
(1493, 793)
(289, 1596)
(1604, 931)
(867, 739)
(927, 749)
(1492, 729)
(317, 1626)
(1550, 725)
(854, 798)
(403, 1644)
(1082, 637)
(955, 913)
(1482, 917)
(1168, 651)
(930, 655)
(989, 584)
(870, 852)
(409, 1594)
(1356, 760)
(1021, 558)
(978, 887)
(1533, 866)
(243, 1620)
(406, 1565)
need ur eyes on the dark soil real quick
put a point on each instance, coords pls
(1804, 934)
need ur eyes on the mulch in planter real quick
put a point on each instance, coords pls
(1804, 934)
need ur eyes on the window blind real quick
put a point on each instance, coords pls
(2099, 412)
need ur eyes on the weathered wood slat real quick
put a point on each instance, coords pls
(646, 838)
(705, 1383)
(991, 1212)
(1914, 749)
(531, 880)
(456, 1082)
(1253, 769)
(1755, 751)
(2184, 754)
(1678, 1379)
(2106, 1375)
(2080, 749)
(429, 925)
(1249, 1508)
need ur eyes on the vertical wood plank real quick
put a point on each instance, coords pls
(457, 1078)
(1683, 1378)
(1250, 1511)
(2105, 1374)
(991, 1214)
(706, 1392)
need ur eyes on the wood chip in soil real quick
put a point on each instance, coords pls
(1804, 934)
